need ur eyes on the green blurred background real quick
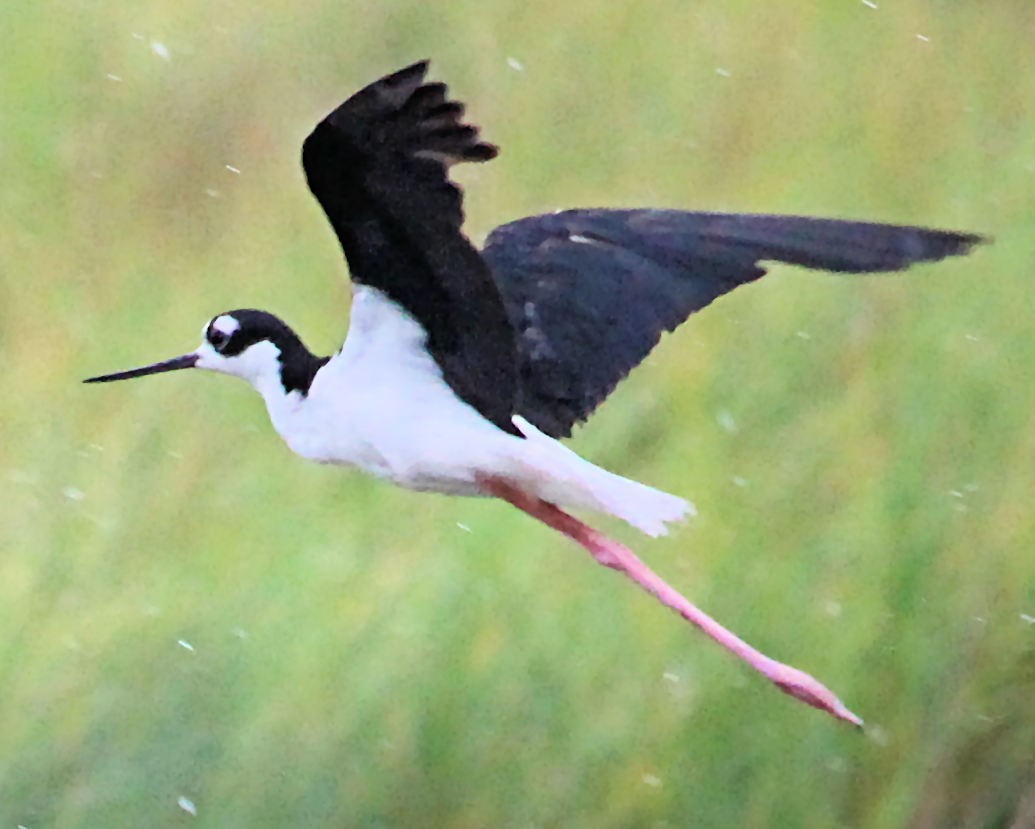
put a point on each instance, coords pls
(194, 620)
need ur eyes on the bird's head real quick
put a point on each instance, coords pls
(253, 345)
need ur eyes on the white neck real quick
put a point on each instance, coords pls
(259, 364)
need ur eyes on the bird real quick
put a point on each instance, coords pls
(463, 369)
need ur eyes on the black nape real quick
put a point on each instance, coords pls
(298, 365)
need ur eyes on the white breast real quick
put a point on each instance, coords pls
(381, 404)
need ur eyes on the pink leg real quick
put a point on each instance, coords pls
(618, 557)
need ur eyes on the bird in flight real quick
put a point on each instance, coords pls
(463, 368)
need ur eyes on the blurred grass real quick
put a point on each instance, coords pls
(186, 610)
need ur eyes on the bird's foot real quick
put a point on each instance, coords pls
(809, 690)
(610, 553)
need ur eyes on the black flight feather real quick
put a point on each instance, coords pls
(378, 165)
(558, 308)
(591, 291)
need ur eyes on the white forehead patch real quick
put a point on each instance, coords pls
(226, 324)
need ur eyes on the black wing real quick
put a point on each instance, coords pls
(379, 166)
(591, 291)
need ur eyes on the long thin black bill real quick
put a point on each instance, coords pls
(186, 361)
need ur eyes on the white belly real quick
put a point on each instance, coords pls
(426, 439)
(382, 405)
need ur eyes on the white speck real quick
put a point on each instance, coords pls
(877, 734)
(869, 3)
(582, 240)
(240, 633)
(212, 192)
(233, 169)
(971, 487)
(668, 676)
(137, 36)
(652, 780)
(724, 73)
(463, 527)
(112, 77)
(832, 608)
(515, 64)
(73, 493)
(726, 421)
(187, 805)
(161, 50)
(183, 643)
(924, 38)
(804, 335)
(741, 482)
(981, 620)
(972, 337)
(1028, 618)
(955, 493)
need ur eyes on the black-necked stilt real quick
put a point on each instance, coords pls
(463, 368)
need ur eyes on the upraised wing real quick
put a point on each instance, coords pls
(591, 291)
(379, 166)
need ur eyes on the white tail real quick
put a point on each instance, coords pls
(563, 478)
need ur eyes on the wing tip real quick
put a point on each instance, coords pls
(966, 242)
(414, 73)
(412, 115)
(936, 245)
(481, 151)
